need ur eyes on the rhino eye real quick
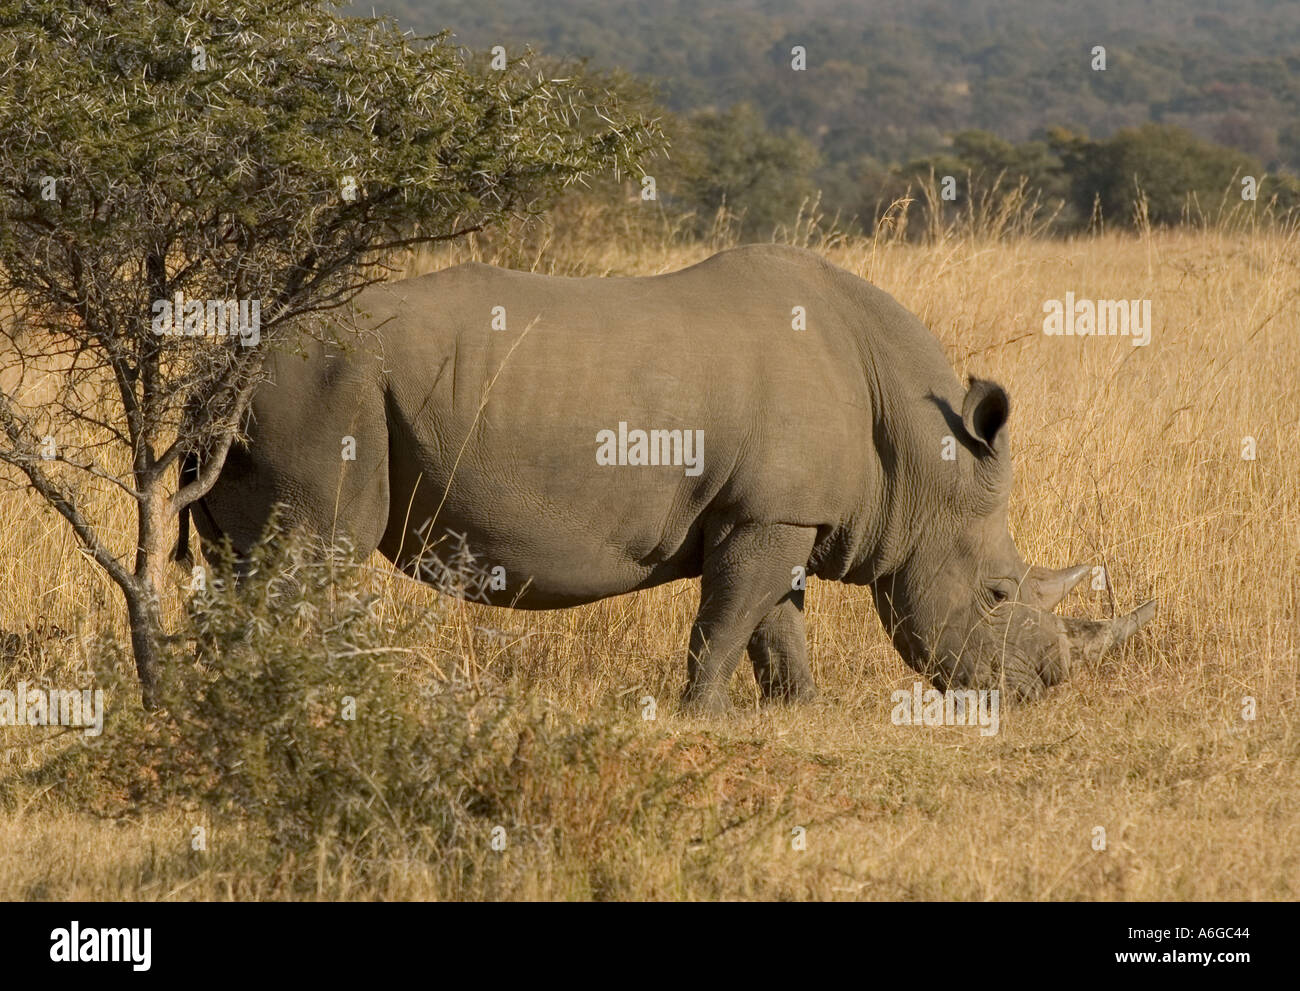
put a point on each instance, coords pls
(1000, 591)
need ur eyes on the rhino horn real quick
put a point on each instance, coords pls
(1044, 588)
(1084, 641)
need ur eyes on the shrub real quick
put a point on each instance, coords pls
(296, 713)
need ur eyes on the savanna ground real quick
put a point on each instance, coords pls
(1127, 457)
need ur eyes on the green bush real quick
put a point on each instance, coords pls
(298, 717)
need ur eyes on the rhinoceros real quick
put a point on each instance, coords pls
(751, 420)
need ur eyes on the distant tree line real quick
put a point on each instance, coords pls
(1158, 174)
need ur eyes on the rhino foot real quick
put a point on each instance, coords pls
(704, 703)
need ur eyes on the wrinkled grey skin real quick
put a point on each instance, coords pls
(822, 449)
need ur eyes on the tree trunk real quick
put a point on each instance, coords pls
(143, 604)
(145, 618)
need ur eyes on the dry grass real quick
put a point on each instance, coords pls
(1127, 457)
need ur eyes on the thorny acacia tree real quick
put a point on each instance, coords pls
(229, 150)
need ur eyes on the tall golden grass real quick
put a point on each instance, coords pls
(1126, 457)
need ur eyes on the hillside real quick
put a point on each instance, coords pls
(893, 80)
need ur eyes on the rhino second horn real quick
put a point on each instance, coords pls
(1044, 588)
(1084, 641)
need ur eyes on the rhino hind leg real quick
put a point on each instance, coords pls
(745, 579)
(320, 466)
(778, 650)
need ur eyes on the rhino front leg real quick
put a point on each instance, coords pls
(779, 652)
(745, 577)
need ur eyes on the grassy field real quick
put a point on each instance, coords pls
(1127, 457)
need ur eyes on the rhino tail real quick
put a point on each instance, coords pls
(189, 473)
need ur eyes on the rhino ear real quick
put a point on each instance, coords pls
(984, 414)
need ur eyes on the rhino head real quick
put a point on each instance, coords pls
(963, 608)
